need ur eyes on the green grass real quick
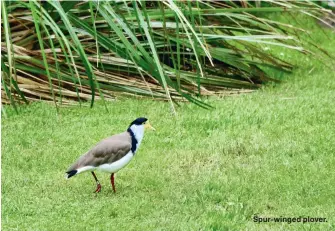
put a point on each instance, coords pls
(269, 153)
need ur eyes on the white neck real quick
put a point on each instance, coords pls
(138, 131)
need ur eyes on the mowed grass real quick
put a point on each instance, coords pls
(269, 153)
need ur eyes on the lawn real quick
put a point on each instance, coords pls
(269, 153)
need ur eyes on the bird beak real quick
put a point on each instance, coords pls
(148, 125)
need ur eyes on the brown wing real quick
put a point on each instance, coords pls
(108, 150)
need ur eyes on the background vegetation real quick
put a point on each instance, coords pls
(269, 153)
(75, 50)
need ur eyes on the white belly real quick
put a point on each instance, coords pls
(117, 165)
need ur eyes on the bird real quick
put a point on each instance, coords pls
(112, 153)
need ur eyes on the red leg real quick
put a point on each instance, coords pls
(112, 182)
(98, 188)
(98, 183)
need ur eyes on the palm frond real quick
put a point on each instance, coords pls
(81, 51)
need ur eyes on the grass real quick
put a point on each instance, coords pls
(269, 153)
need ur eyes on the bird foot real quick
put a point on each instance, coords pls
(98, 188)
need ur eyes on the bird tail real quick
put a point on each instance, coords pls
(70, 174)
